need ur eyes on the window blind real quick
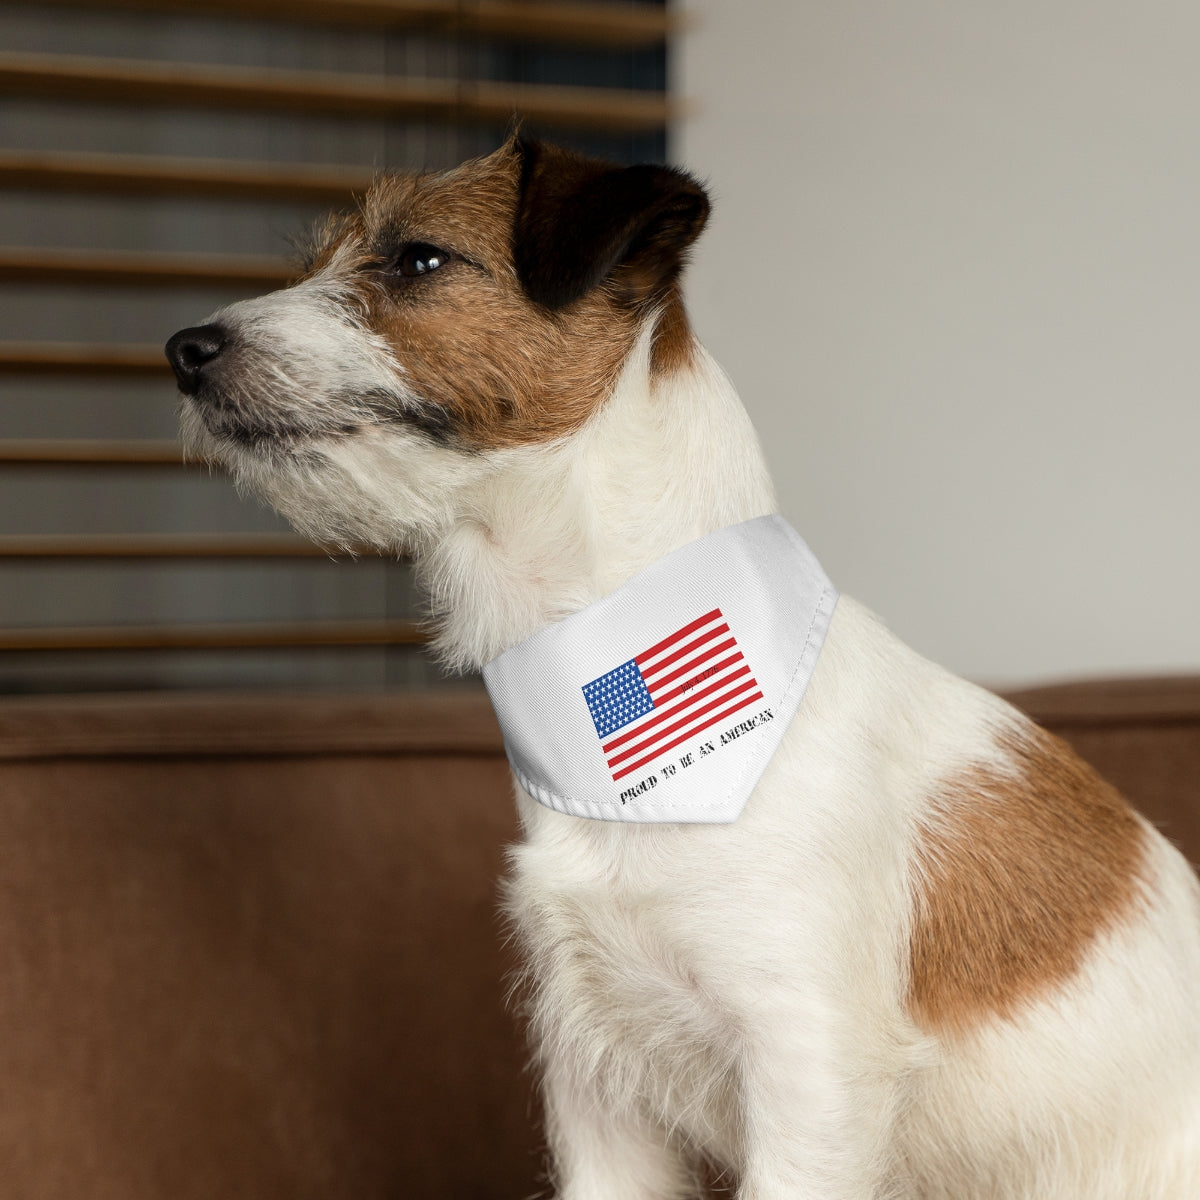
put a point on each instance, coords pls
(155, 156)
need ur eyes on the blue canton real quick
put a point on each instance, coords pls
(617, 698)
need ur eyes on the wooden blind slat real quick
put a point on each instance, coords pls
(583, 24)
(226, 723)
(90, 452)
(139, 268)
(586, 24)
(157, 546)
(223, 636)
(128, 81)
(82, 358)
(129, 174)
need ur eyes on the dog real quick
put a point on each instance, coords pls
(935, 957)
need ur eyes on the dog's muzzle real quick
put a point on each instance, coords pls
(191, 351)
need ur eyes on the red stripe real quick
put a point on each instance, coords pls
(715, 631)
(688, 668)
(683, 737)
(667, 713)
(696, 712)
(679, 633)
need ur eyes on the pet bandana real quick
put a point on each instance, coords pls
(665, 700)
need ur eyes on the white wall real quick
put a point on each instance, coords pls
(954, 269)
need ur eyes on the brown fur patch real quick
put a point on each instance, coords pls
(1018, 874)
(499, 369)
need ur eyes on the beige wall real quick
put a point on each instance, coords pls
(955, 272)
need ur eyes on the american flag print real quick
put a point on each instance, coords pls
(669, 693)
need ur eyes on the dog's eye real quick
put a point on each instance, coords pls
(419, 258)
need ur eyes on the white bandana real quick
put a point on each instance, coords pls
(665, 700)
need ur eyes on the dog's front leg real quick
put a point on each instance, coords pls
(599, 1153)
(817, 1120)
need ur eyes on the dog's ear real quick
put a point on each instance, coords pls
(580, 221)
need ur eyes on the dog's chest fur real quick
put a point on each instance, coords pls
(603, 952)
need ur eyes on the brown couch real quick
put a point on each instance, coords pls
(250, 944)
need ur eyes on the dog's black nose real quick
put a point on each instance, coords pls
(190, 350)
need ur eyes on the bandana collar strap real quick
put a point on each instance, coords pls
(665, 700)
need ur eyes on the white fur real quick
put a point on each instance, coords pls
(738, 993)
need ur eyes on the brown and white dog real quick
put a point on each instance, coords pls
(935, 957)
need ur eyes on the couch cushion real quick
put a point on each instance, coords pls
(251, 950)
